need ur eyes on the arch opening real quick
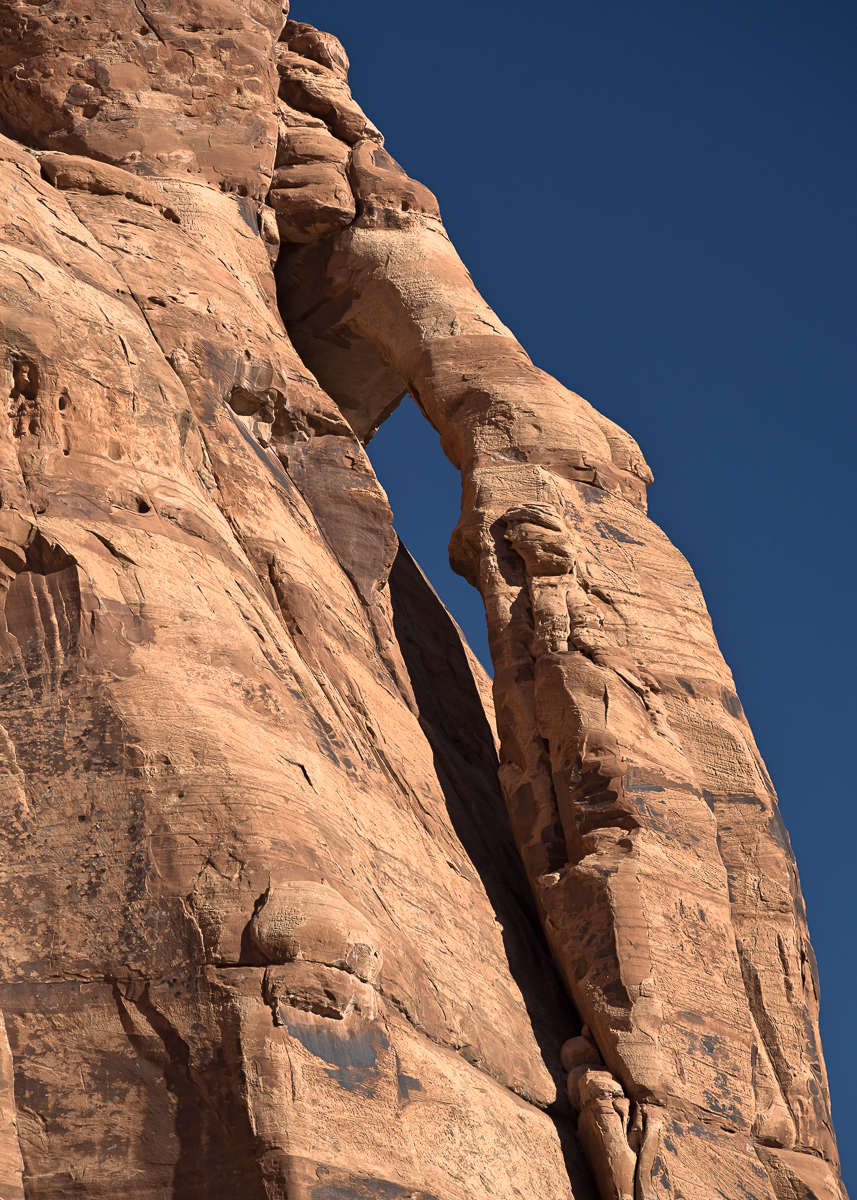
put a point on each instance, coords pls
(424, 490)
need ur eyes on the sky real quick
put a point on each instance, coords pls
(658, 199)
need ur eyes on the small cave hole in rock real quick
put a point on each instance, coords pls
(424, 489)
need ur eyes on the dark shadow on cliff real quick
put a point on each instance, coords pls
(213, 1142)
(453, 719)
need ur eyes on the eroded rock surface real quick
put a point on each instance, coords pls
(270, 927)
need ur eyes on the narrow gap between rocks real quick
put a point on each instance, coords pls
(425, 495)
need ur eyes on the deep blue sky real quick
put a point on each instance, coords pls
(659, 199)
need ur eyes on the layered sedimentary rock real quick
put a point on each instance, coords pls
(273, 891)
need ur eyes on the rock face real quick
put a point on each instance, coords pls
(287, 913)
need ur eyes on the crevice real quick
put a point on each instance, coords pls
(198, 1120)
(117, 554)
(175, 1063)
(767, 1030)
(463, 1049)
(292, 762)
(144, 16)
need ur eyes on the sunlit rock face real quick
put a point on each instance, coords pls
(288, 913)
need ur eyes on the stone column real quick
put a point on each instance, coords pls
(644, 815)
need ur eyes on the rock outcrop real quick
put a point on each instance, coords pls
(284, 905)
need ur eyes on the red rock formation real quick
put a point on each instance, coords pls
(268, 933)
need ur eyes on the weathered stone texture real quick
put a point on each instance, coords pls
(269, 929)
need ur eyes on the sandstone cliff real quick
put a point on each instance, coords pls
(288, 913)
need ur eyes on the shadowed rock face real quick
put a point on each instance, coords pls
(287, 913)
